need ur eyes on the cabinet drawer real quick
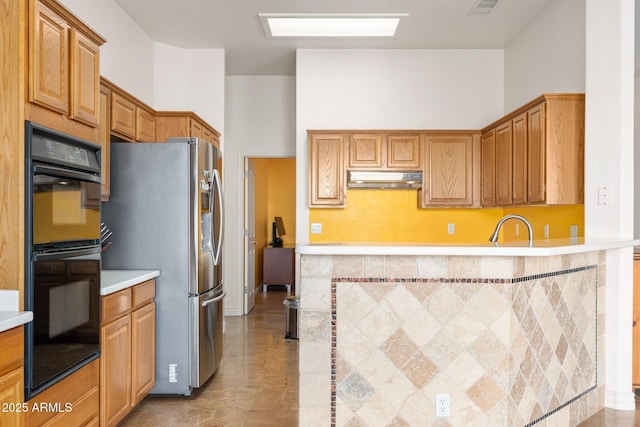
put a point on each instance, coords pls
(83, 412)
(73, 389)
(11, 349)
(144, 293)
(115, 305)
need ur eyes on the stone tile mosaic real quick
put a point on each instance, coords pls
(508, 352)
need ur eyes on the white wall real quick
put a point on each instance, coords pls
(162, 76)
(260, 122)
(636, 138)
(391, 89)
(126, 58)
(190, 80)
(548, 56)
(609, 160)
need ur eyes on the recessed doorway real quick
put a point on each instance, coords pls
(269, 192)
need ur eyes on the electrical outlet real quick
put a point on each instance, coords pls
(517, 229)
(605, 196)
(546, 231)
(442, 405)
(451, 228)
(316, 228)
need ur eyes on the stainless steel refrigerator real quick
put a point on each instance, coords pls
(165, 212)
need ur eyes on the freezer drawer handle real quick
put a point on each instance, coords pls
(216, 299)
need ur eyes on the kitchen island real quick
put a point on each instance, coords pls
(513, 334)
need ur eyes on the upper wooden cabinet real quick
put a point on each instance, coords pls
(366, 152)
(539, 153)
(145, 125)
(130, 119)
(327, 183)
(503, 162)
(123, 115)
(64, 66)
(488, 168)
(177, 124)
(105, 143)
(451, 168)
(519, 166)
(403, 152)
(380, 151)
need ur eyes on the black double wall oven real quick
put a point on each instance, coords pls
(62, 256)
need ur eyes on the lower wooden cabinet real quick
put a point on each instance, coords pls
(115, 371)
(127, 362)
(12, 376)
(143, 344)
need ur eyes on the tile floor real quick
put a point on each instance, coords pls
(256, 385)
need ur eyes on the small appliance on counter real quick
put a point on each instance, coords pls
(166, 209)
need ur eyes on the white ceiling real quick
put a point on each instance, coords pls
(233, 25)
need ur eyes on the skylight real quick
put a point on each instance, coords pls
(331, 24)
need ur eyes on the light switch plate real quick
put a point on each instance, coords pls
(316, 228)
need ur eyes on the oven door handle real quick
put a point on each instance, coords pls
(88, 250)
(67, 173)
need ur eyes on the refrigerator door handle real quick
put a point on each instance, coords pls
(216, 299)
(217, 182)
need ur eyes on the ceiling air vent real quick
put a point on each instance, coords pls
(483, 7)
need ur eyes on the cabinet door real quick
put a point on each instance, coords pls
(123, 116)
(195, 129)
(208, 136)
(448, 179)
(105, 143)
(504, 171)
(145, 126)
(365, 151)
(11, 391)
(85, 77)
(115, 371)
(49, 60)
(488, 166)
(536, 163)
(143, 344)
(403, 152)
(520, 159)
(327, 170)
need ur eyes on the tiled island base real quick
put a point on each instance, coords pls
(513, 341)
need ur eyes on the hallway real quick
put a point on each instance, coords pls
(256, 385)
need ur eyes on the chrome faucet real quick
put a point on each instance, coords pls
(494, 235)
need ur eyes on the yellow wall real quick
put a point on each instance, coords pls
(282, 197)
(393, 216)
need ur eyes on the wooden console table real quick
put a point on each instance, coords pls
(278, 268)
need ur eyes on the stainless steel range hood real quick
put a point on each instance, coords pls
(384, 179)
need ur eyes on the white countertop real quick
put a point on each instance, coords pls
(548, 247)
(10, 316)
(116, 280)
